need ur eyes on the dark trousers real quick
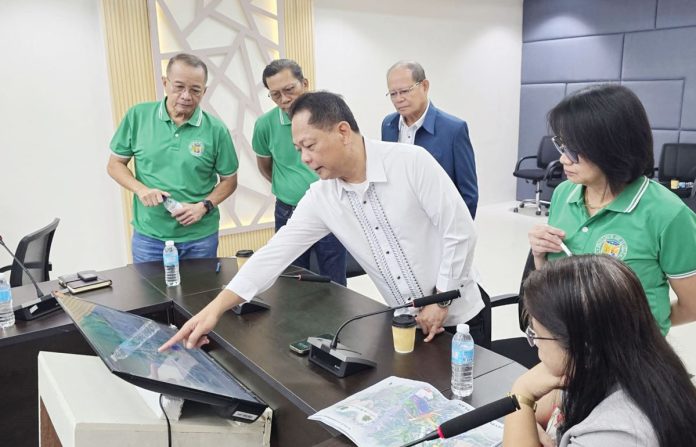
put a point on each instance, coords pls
(477, 329)
(330, 253)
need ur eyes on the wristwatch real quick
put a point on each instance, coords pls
(445, 304)
(524, 400)
(208, 205)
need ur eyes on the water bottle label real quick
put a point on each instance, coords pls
(5, 296)
(171, 259)
(462, 356)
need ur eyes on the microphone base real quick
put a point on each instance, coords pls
(249, 307)
(44, 305)
(340, 362)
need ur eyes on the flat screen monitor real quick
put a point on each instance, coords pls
(128, 344)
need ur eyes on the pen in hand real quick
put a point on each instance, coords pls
(566, 250)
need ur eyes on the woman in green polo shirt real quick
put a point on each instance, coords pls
(610, 206)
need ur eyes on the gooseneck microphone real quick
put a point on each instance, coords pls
(417, 302)
(341, 361)
(44, 304)
(472, 419)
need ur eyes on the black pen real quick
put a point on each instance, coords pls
(217, 268)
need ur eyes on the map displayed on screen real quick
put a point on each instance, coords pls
(128, 344)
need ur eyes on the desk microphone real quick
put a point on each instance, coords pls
(472, 419)
(341, 361)
(43, 305)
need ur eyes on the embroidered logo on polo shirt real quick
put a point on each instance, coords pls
(612, 245)
(196, 148)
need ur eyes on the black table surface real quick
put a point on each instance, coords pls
(299, 310)
(128, 292)
(257, 343)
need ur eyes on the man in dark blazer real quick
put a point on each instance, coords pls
(418, 121)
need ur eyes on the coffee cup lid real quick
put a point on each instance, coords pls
(244, 253)
(404, 320)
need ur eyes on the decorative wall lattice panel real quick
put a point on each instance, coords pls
(236, 39)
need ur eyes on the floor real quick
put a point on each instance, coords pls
(501, 252)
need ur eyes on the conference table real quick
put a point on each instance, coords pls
(253, 347)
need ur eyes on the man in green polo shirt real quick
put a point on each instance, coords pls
(180, 152)
(280, 163)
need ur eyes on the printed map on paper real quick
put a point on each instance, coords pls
(396, 411)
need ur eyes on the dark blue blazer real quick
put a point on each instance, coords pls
(446, 137)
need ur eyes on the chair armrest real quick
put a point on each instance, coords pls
(528, 157)
(554, 168)
(7, 268)
(505, 299)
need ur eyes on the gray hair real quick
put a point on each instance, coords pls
(417, 72)
(190, 60)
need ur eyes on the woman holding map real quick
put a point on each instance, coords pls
(607, 376)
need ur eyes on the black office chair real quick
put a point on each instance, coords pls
(352, 267)
(677, 162)
(548, 171)
(516, 348)
(691, 200)
(33, 251)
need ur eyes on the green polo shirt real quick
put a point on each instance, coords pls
(646, 226)
(182, 161)
(273, 138)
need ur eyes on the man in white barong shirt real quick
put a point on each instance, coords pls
(393, 208)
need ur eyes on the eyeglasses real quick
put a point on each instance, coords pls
(565, 150)
(403, 92)
(288, 90)
(181, 88)
(532, 337)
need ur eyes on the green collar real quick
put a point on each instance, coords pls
(195, 119)
(283, 117)
(625, 202)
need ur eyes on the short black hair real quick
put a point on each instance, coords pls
(607, 125)
(190, 60)
(279, 65)
(326, 109)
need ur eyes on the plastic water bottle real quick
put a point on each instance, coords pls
(171, 204)
(7, 317)
(462, 362)
(171, 264)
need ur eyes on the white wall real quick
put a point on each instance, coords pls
(55, 116)
(55, 110)
(471, 52)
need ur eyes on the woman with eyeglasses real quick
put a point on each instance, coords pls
(607, 377)
(610, 206)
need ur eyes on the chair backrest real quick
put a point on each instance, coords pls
(523, 316)
(547, 152)
(677, 162)
(34, 250)
(352, 267)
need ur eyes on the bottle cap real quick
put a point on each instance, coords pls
(463, 328)
(169, 243)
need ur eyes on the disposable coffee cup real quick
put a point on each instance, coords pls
(243, 256)
(404, 333)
